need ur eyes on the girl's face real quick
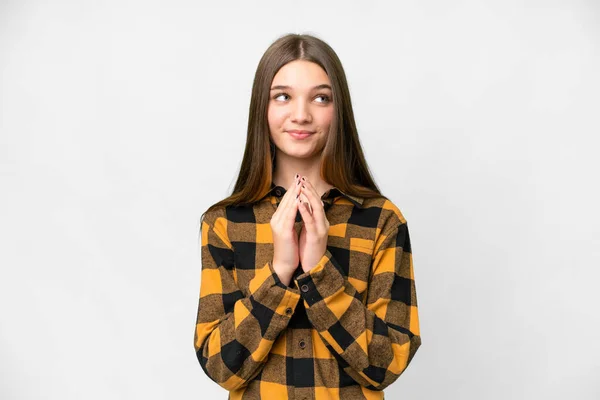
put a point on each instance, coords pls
(300, 99)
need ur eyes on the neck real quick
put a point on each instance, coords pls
(287, 167)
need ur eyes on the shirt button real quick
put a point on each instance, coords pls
(304, 288)
(288, 311)
(302, 344)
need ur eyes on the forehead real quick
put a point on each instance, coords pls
(301, 74)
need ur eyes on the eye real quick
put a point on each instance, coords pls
(326, 98)
(279, 95)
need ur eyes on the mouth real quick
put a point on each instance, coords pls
(298, 134)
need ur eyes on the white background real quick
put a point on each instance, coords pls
(122, 121)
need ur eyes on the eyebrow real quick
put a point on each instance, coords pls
(321, 86)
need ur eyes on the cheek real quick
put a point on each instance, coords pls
(274, 117)
(326, 118)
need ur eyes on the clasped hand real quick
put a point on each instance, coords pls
(311, 245)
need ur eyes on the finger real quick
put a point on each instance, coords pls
(290, 209)
(304, 199)
(285, 200)
(307, 217)
(315, 201)
(309, 187)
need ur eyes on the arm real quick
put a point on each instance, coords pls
(234, 334)
(374, 343)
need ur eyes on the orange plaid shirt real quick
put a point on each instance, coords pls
(346, 329)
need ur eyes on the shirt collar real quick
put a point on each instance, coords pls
(330, 194)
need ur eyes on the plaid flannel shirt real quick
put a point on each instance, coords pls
(346, 329)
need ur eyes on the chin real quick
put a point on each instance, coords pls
(299, 154)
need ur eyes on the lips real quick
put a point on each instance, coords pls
(299, 132)
(299, 135)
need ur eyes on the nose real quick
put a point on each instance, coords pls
(300, 112)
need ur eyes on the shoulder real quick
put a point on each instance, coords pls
(228, 219)
(389, 214)
(216, 218)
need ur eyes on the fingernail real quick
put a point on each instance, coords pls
(297, 195)
(303, 178)
(297, 183)
(303, 187)
(296, 176)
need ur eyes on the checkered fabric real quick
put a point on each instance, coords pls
(346, 329)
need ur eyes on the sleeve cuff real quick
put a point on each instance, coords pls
(322, 281)
(267, 289)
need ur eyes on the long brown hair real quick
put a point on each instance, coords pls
(342, 161)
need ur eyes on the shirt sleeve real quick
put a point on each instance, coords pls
(373, 342)
(234, 334)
